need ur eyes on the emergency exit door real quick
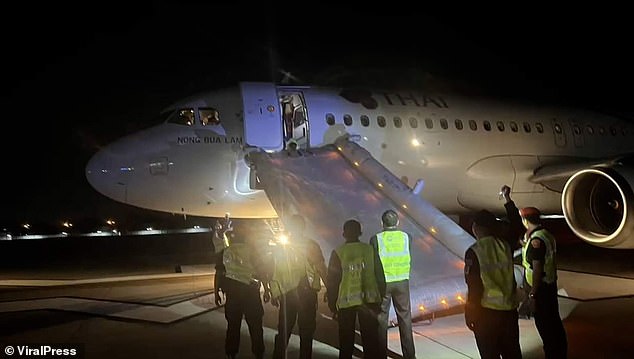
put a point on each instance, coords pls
(262, 116)
(295, 117)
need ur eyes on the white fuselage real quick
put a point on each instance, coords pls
(200, 170)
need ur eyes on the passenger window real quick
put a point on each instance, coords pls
(347, 120)
(601, 130)
(500, 125)
(398, 123)
(413, 122)
(473, 125)
(184, 116)
(444, 124)
(576, 130)
(330, 119)
(209, 116)
(590, 130)
(429, 123)
(487, 125)
(539, 127)
(365, 120)
(613, 130)
(513, 125)
(458, 124)
(381, 121)
(527, 127)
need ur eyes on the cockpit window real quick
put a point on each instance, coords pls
(184, 116)
(163, 116)
(209, 116)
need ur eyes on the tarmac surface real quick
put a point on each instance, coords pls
(153, 311)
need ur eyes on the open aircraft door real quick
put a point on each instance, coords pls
(262, 116)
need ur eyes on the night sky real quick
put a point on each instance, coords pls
(78, 76)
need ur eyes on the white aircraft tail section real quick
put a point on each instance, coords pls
(328, 188)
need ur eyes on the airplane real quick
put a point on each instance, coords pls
(360, 151)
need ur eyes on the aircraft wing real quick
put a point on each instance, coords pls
(561, 172)
(332, 184)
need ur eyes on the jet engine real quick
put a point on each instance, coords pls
(597, 205)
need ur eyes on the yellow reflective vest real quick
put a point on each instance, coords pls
(550, 267)
(238, 264)
(393, 247)
(496, 271)
(307, 246)
(358, 282)
(289, 269)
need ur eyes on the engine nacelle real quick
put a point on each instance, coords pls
(597, 204)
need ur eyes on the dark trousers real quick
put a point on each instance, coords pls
(398, 294)
(298, 305)
(497, 334)
(368, 325)
(243, 301)
(549, 324)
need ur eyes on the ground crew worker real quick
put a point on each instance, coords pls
(491, 307)
(298, 269)
(237, 278)
(514, 235)
(540, 274)
(292, 150)
(353, 292)
(392, 251)
(219, 238)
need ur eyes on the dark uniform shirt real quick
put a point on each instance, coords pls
(515, 229)
(475, 288)
(536, 254)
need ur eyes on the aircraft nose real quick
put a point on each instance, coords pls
(107, 174)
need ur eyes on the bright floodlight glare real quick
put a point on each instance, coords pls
(283, 239)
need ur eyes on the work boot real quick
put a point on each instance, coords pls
(524, 311)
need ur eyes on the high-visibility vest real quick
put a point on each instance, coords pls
(496, 272)
(550, 267)
(358, 284)
(238, 265)
(393, 249)
(312, 274)
(289, 269)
